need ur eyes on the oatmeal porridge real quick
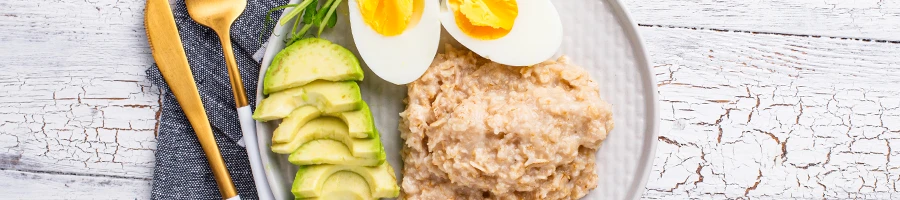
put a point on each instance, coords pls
(475, 129)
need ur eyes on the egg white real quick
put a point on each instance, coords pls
(402, 58)
(535, 37)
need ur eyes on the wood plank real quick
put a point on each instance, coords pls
(774, 117)
(863, 19)
(76, 98)
(27, 185)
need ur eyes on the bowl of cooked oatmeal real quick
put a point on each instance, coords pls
(582, 125)
(474, 128)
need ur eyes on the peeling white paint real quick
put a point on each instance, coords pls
(77, 113)
(771, 116)
(868, 19)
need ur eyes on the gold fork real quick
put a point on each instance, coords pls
(219, 15)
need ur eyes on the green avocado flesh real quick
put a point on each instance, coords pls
(326, 127)
(313, 181)
(308, 60)
(326, 96)
(293, 122)
(334, 129)
(344, 185)
(327, 151)
(359, 122)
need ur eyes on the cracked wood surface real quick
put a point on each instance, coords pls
(77, 114)
(771, 115)
(774, 117)
(857, 19)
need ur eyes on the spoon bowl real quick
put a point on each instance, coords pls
(216, 14)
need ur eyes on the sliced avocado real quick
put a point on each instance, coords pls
(345, 185)
(308, 60)
(325, 151)
(360, 122)
(289, 126)
(328, 97)
(334, 129)
(310, 180)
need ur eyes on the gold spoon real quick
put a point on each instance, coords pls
(219, 15)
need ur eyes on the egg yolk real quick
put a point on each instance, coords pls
(390, 17)
(485, 19)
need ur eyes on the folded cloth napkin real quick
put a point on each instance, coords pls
(181, 170)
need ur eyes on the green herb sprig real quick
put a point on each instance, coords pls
(309, 13)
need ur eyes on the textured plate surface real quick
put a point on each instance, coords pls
(598, 35)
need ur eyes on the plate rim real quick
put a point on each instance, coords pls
(641, 57)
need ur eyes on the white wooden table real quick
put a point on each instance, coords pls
(764, 99)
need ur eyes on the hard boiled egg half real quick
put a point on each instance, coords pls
(397, 39)
(510, 32)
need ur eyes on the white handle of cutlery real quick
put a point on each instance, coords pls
(248, 127)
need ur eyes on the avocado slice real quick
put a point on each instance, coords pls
(326, 151)
(345, 185)
(308, 60)
(328, 97)
(334, 129)
(310, 180)
(359, 122)
(292, 123)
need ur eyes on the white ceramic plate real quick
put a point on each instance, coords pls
(598, 35)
